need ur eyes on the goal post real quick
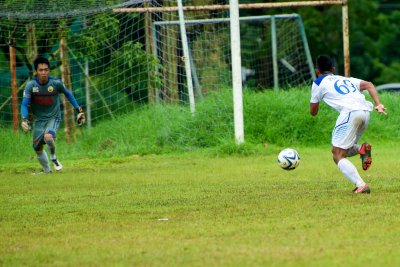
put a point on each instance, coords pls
(236, 71)
(186, 55)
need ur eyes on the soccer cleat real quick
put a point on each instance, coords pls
(362, 189)
(365, 155)
(57, 165)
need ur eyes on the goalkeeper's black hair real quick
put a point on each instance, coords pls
(40, 60)
(324, 63)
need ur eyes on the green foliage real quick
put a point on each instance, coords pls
(374, 42)
(389, 73)
(101, 30)
(374, 34)
(282, 118)
(132, 69)
(126, 81)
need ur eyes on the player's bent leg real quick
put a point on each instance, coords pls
(338, 153)
(349, 170)
(49, 140)
(366, 156)
(354, 150)
(351, 173)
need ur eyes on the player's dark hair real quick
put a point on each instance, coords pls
(40, 60)
(324, 63)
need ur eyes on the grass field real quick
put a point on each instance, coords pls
(197, 210)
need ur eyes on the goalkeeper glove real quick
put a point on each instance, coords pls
(26, 126)
(80, 119)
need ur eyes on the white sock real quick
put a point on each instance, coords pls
(350, 172)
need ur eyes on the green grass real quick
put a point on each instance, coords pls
(222, 211)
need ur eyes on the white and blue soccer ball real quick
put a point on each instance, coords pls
(288, 159)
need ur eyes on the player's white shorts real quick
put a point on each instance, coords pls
(349, 128)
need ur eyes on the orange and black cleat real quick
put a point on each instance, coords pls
(365, 154)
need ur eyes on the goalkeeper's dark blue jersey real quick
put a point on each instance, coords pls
(45, 99)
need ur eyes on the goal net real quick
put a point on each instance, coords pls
(275, 51)
(120, 56)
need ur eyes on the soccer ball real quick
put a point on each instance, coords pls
(288, 159)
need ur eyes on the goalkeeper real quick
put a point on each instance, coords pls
(42, 94)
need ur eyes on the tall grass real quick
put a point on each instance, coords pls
(278, 118)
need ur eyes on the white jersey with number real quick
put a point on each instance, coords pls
(341, 93)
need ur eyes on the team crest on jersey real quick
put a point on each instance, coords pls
(50, 89)
(35, 89)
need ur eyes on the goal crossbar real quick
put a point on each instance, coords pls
(224, 20)
(225, 7)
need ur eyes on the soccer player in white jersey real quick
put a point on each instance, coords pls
(344, 95)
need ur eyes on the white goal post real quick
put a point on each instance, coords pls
(236, 72)
(186, 56)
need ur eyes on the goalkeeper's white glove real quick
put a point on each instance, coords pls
(80, 119)
(26, 126)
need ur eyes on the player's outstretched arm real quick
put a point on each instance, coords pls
(80, 119)
(364, 85)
